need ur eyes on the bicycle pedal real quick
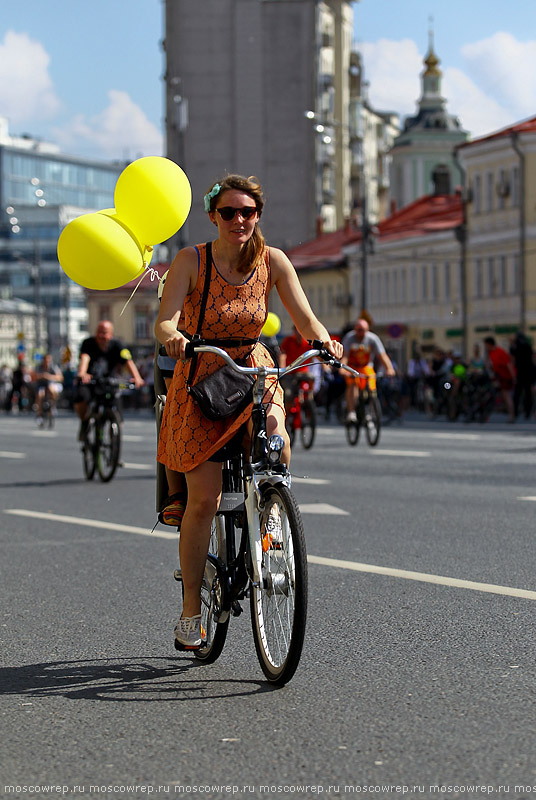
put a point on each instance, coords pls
(177, 574)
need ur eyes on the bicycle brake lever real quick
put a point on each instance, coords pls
(189, 351)
(324, 355)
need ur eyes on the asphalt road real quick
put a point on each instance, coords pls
(418, 674)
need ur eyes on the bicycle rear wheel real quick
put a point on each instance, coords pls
(373, 418)
(213, 619)
(89, 449)
(109, 443)
(279, 605)
(308, 426)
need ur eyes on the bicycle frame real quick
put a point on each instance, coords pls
(263, 467)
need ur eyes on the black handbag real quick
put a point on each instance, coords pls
(223, 392)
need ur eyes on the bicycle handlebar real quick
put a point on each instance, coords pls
(318, 350)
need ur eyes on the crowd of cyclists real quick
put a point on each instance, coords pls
(440, 383)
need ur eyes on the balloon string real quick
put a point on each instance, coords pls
(148, 271)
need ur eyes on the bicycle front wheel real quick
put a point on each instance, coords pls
(279, 604)
(89, 449)
(308, 426)
(213, 620)
(373, 416)
(352, 432)
(109, 443)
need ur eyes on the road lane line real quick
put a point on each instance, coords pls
(423, 577)
(354, 566)
(312, 481)
(127, 465)
(11, 454)
(321, 508)
(408, 453)
(527, 498)
(90, 523)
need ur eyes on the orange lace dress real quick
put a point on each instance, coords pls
(187, 438)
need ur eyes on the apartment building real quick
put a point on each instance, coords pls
(262, 88)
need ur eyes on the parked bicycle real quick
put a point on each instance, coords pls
(257, 546)
(367, 414)
(301, 416)
(101, 440)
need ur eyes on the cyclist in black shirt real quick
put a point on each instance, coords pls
(100, 355)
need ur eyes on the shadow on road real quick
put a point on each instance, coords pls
(126, 680)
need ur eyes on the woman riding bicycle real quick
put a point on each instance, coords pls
(244, 271)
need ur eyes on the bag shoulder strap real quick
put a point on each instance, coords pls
(204, 298)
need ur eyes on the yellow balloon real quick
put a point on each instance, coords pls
(153, 198)
(272, 326)
(146, 250)
(98, 253)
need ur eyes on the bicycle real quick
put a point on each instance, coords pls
(101, 439)
(47, 412)
(367, 413)
(301, 416)
(257, 545)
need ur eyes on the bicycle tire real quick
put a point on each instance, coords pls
(352, 432)
(212, 603)
(89, 449)
(373, 421)
(308, 426)
(109, 440)
(279, 605)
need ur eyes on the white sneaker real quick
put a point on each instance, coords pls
(189, 632)
(351, 416)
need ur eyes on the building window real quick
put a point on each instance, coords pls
(489, 191)
(491, 277)
(395, 287)
(478, 277)
(141, 324)
(403, 287)
(503, 189)
(413, 286)
(502, 282)
(516, 268)
(387, 287)
(477, 195)
(447, 280)
(515, 186)
(424, 282)
(435, 284)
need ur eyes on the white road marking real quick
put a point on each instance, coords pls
(44, 434)
(321, 508)
(424, 577)
(469, 436)
(527, 498)
(90, 523)
(407, 453)
(11, 454)
(128, 437)
(354, 566)
(138, 466)
(312, 481)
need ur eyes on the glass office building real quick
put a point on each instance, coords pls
(41, 190)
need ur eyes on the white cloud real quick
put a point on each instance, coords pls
(121, 130)
(392, 70)
(505, 68)
(496, 88)
(26, 89)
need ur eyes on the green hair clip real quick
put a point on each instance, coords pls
(208, 197)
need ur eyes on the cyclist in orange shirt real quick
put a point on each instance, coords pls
(361, 348)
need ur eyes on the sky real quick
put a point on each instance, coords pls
(88, 75)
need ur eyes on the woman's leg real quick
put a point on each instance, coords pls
(204, 491)
(275, 423)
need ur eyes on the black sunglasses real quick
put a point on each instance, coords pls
(228, 212)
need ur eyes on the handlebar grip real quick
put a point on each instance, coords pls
(189, 350)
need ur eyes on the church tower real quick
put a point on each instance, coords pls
(425, 146)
